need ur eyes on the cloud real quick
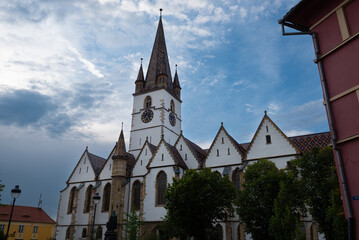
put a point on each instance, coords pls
(24, 108)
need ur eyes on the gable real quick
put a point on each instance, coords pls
(186, 153)
(83, 170)
(269, 141)
(162, 156)
(106, 171)
(142, 160)
(224, 151)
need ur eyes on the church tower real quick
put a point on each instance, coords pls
(156, 101)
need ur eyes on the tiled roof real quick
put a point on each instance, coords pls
(152, 147)
(25, 214)
(306, 142)
(197, 150)
(130, 163)
(177, 157)
(96, 162)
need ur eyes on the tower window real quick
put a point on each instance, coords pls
(229, 152)
(217, 152)
(267, 128)
(222, 140)
(172, 106)
(162, 158)
(141, 162)
(181, 147)
(185, 156)
(268, 139)
(146, 151)
(148, 102)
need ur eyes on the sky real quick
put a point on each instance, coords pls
(67, 73)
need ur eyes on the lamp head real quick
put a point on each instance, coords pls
(96, 199)
(15, 192)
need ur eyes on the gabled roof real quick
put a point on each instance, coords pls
(176, 156)
(265, 117)
(199, 153)
(306, 142)
(96, 162)
(236, 145)
(25, 214)
(173, 152)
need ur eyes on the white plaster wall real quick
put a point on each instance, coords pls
(224, 158)
(81, 217)
(63, 217)
(191, 161)
(106, 172)
(151, 212)
(157, 158)
(61, 232)
(101, 217)
(142, 161)
(83, 171)
(279, 145)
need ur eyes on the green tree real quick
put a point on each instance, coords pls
(289, 204)
(256, 200)
(320, 181)
(196, 201)
(132, 224)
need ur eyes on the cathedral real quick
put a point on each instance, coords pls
(135, 178)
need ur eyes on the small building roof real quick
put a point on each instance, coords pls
(305, 143)
(25, 214)
(96, 162)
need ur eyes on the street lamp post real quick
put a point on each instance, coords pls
(15, 193)
(96, 199)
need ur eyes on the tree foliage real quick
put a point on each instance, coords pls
(289, 204)
(132, 225)
(256, 200)
(320, 182)
(196, 201)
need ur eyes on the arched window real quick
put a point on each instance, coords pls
(236, 179)
(68, 233)
(99, 232)
(88, 199)
(148, 102)
(172, 106)
(136, 195)
(161, 183)
(106, 197)
(84, 233)
(71, 200)
(239, 232)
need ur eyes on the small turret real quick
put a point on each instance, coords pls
(140, 81)
(176, 85)
(120, 157)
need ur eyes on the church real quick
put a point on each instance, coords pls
(135, 177)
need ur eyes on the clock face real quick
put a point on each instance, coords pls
(147, 116)
(172, 119)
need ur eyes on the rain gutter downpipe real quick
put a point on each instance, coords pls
(303, 31)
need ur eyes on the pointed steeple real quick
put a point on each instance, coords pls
(176, 85)
(120, 150)
(140, 81)
(159, 65)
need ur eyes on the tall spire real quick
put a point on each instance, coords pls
(175, 80)
(140, 73)
(159, 64)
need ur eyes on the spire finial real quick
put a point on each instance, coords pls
(141, 61)
(176, 67)
(122, 126)
(265, 112)
(222, 124)
(87, 148)
(160, 12)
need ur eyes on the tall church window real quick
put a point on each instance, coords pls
(99, 232)
(106, 197)
(136, 195)
(236, 179)
(88, 199)
(71, 200)
(217, 152)
(172, 106)
(161, 183)
(148, 102)
(84, 233)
